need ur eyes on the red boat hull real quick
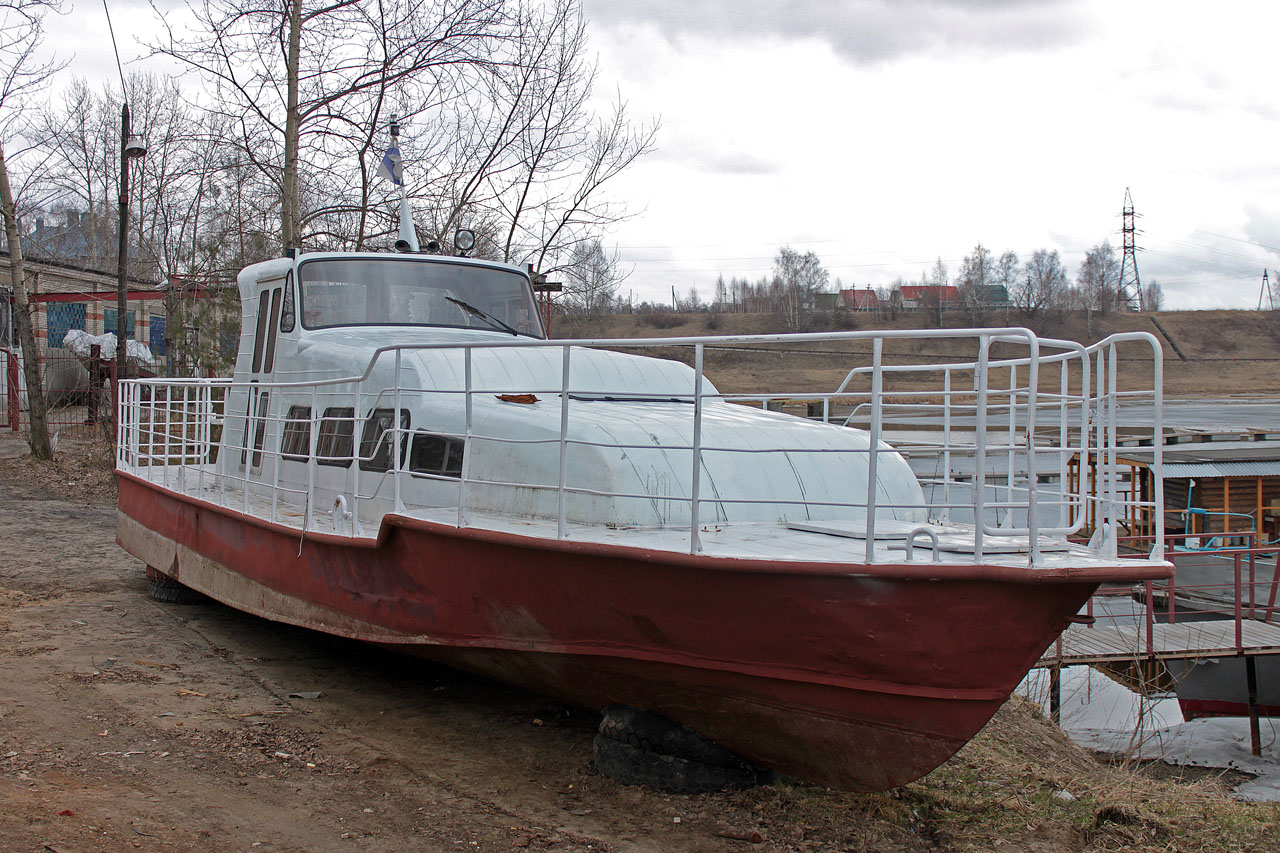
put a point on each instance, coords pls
(858, 677)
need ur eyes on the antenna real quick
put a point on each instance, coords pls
(1130, 287)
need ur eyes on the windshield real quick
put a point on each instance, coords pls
(413, 292)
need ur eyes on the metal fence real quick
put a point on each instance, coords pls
(73, 397)
(1010, 424)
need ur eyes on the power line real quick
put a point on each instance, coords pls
(124, 90)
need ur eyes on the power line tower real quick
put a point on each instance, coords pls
(1266, 293)
(1129, 293)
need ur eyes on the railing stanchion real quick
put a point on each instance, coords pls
(274, 449)
(397, 439)
(980, 449)
(313, 446)
(873, 447)
(467, 449)
(695, 543)
(1113, 470)
(1033, 485)
(356, 457)
(1064, 407)
(564, 445)
(204, 432)
(168, 431)
(946, 444)
(255, 400)
(1011, 452)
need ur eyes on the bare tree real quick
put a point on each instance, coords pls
(21, 75)
(1098, 278)
(297, 78)
(721, 301)
(800, 278)
(1045, 284)
(974, 283)
(1152, 296)
(494, 96)
(80, 138)
(935, 287)
(591, 280)
(1007, 276)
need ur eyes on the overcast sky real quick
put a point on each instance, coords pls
(884, 134)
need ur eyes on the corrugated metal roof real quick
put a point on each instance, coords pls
(1211, 452)
(1181, 470)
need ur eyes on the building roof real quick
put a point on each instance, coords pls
(943, 292)
(1213, 459)
(1208, 470)
(860, 300)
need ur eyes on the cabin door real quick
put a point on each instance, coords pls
(261, 370)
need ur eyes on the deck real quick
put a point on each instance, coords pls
(1109, 643)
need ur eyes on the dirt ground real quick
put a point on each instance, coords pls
(131, 725)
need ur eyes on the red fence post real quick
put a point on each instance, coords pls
(1151, 620)
(1239, 614)
(11, 372)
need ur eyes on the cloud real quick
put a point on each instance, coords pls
(865, 31)
(1262, 228)
(706, 159)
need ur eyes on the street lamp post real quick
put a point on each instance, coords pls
(130, 147)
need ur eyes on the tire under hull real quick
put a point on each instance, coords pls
(857, 677)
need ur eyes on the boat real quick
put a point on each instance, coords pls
(403, 457)
(1206, 588)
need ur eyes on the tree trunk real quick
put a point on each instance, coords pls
(40, 446)
(290, 202)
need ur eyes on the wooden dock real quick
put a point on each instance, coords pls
(1129, 641)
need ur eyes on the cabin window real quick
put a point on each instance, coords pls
(269, 361)
(438, 455)
(400, 291)
(375, 442)
(255, 411)
(260, 428)
(334, 445)
(296, 444)
(260, 338)
(288, 313)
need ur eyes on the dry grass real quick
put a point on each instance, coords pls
(82, 470)
(1011, 784)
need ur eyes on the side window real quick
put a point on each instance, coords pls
(269, 362)
(375, 441)
(260, 338)
(334, 444)
(288, 314)
(296, 443)
(436, 455)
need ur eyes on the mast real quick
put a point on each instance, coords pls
(407, 240)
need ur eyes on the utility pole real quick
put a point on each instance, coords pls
(130, 146)
(1129, 290)
(1265, 293)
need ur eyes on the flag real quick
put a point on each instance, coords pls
(391, 167)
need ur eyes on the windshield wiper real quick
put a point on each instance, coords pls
(474, 311)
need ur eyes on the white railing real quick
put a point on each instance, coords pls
(1011, 458)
